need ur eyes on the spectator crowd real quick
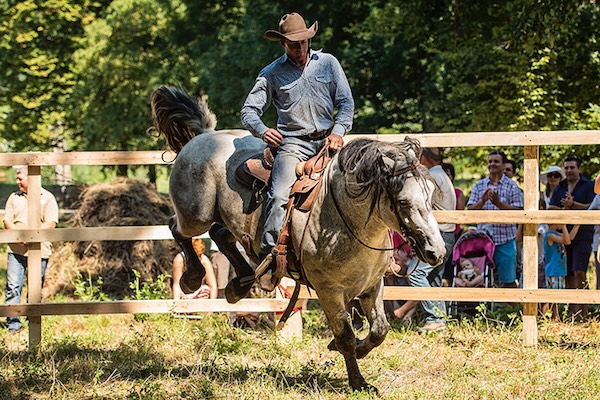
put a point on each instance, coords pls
(565, 252)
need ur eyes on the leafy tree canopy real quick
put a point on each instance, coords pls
(85, 70)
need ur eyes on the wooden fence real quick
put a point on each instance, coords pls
(530, 217)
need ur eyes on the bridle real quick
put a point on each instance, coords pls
(397, 172)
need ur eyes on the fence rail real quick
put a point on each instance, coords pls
(529, 217)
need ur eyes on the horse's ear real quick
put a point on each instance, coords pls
(414, 145)
(389, 163)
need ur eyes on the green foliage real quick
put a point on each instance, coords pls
(85, 70)
(155, 290)
(88, 290)
(37, 39)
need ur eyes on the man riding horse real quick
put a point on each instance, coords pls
(305, 86)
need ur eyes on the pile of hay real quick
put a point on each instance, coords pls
(124, 202)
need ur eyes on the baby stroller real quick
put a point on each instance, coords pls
(474, 249)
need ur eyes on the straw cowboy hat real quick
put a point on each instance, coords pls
(292, 27)
(552, 168)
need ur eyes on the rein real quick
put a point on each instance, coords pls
(398, 172)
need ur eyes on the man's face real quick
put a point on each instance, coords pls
(22, 181)
(508, 170)
(495, 164)
(296, 51)
(572, 171)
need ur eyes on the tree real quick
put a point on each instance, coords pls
(37, 39)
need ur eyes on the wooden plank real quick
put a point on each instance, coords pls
(144, 307)
(162, 232)
(519, 216)
(483, 294)
(278, 305)
(496, 139)
(292, 329)
(530, 247)
(152, 232)
(493, 294)
(34, 252)
(88, 158)
(458, 139)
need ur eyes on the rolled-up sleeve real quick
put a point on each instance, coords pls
(343, 101)
(257, 101)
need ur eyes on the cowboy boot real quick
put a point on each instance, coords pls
(194, 273)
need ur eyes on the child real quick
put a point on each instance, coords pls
(556, 259)
(469, 274)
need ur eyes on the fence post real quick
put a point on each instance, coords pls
(293, 327)
(530, 247)
(34, 252)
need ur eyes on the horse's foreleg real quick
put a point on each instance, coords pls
(372, 305)
(194, 273)
(345, 342)
(240, 286)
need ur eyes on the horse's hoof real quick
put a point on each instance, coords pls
(267, 282)
(190, 281)
(238, 288)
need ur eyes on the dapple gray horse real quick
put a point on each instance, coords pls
(369, 187)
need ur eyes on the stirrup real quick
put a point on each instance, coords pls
(264, 275)
(263, 266)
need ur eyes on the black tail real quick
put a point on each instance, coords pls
(179, 117)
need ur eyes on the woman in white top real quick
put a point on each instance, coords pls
(208, 289)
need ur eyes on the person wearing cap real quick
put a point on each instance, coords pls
(551, 178)
(306, 87)
(575, 192)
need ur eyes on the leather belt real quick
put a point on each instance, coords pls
(316, 135)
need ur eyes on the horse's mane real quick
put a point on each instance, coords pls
(365, 171)
(180, 117)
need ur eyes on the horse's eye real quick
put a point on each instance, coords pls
(403, 203)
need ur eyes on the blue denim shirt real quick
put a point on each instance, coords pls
(305, 100)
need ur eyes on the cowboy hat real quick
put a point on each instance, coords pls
(551, 169)
(292, 27)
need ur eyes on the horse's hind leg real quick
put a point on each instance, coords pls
(194, 273)
(372, 305)
(344, 341)
(240, 286)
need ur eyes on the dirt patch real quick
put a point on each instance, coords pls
(124, 202)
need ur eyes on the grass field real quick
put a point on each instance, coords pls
(163, 357)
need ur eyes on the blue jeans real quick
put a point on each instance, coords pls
(15, 278)
(421, 274)
(291, 151)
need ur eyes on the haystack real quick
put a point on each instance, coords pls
(124, 202)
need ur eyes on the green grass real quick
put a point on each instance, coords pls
(124, 357)
(117, 357)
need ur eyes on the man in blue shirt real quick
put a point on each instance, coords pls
(575, 192)
(305, 87)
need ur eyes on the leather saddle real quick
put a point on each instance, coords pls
(255, 174)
